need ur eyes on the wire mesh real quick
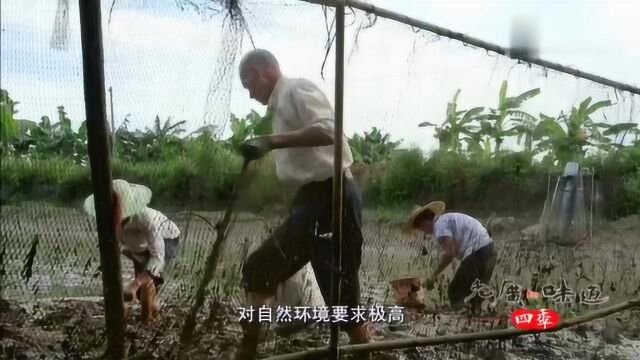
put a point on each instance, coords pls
(178, 61)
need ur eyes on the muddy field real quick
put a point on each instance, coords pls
(73, 329)
(52, 254)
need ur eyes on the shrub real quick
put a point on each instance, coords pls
(53, 179)
(216, 168)
(403, 179)
(169, 180)
(632, 190)
(204, 175)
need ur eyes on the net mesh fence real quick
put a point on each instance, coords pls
(171, 70)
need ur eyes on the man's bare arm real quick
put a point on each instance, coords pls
(449, 252)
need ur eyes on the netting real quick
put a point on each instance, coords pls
(178, 108)
(565, 222)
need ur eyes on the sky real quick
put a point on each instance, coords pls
(160, 60)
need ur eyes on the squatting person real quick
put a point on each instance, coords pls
(147, 237)
(462, 237)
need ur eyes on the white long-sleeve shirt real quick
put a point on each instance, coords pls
(295, 104)
(147, 231)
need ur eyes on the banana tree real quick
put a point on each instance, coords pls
(54, 138)
(456, 124)
(8, 126)
(251, 125)
(579, 132)
(525, 126)
(495, 123)
(159, 142)
(479, 145)
(620, 131)
(373, 147)
(636, 133)
(167, 129)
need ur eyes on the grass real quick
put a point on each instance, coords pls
(392, 215)
(203, 177)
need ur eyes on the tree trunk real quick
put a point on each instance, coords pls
(528, 143)
(498, 145)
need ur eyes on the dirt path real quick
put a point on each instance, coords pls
(73, 329)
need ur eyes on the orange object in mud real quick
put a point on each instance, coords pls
(148, 302)
(408, 292)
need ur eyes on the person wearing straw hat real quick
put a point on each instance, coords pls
(147, 237)
(462, 237)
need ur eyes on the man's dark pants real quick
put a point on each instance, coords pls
(298, 240)
(478, 265)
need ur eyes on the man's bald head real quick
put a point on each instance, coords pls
(258, 58)
(259, 73)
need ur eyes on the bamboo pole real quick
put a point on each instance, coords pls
(336, 258)
(186, 336)
(113, 124)
(465, 39)
(100, 162)
(593, 172)
(451, 339)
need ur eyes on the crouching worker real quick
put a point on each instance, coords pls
(147, 237)
(462, 237)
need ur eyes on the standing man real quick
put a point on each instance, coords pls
(462, 237)
(302, 141)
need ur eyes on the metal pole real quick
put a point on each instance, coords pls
(468, 40)
(337, 177)
(113, 123)
(593, 184)
(97, 134)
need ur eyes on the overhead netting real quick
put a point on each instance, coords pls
(178, 112)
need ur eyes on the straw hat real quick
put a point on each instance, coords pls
(134, 198)
(437, 207)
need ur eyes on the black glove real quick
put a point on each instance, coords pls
(255, 148)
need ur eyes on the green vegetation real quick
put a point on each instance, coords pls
(48, 161)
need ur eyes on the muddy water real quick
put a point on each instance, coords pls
(66, 261)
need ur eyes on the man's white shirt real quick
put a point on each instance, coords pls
(295, 104)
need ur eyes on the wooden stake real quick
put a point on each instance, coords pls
(186, 337)
(336, 258)
(113, 124)
(100, 162)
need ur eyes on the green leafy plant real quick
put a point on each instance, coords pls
(579, 132)
(250, 126)
(373, 147)
(160, 142)
(404, 178)
(620, 131)
(495, 124)
(456, 124)
(8, 125)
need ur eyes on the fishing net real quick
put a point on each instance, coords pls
(565, 223)
(176, 109)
